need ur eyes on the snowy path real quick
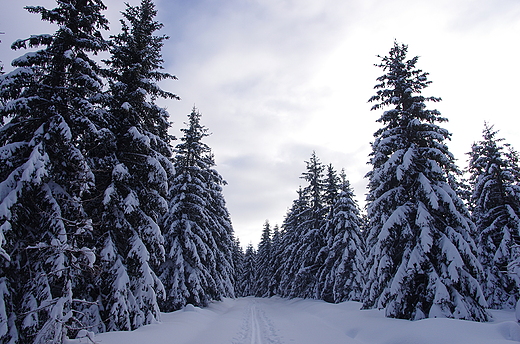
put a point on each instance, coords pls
(257, 331)
(280, 321)
(257, 327)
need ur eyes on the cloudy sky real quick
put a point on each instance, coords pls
(276, 80)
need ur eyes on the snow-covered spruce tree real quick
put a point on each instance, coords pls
(46, 264)
(264, 264)
(495, 177)
(290, 236)
(247, 280)
(132, 169)
(330, 195)
(197, 229)
(223, 233)
(238, 263)
(331, 189)
(421, 261)
(276, 260)
(340, 277)
(304, 264)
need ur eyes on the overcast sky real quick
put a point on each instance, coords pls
(276, 80)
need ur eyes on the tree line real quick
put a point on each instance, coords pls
(103, 222)
(432, 242)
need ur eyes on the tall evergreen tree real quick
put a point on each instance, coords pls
(330, 195)
(311, 241)
(290, 236)
(132, 170)
(248, 278)
(49, 98)
(303, 237)
(495, 177)
(238, 263)
(276, 260)
(421, 256)
(340, 276)
(223, 233)
(197, 228)
(264, 258)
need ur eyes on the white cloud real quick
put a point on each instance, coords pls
(276, 80)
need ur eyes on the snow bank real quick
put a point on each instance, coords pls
(276, 321)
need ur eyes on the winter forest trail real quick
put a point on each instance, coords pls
(257, 327)
(241, 321)
(275, 320)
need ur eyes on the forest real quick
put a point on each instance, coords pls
(107, 220)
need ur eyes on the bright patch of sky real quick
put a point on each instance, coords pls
(276, 79)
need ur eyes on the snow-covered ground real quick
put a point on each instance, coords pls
(276, 321)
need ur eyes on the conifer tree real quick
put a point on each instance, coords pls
(132, 170)
(331, 189)
(421, 261)
(311, 240)
(248, 279)
(340, 276)
(290, 236)
(238, 263)
(330, 195)
(302, 237)
(222, 233)
(197, 227)
(495, 177)
(50, 99)
(264, 264)
(276, 261)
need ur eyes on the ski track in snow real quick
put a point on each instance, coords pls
(257, 327)
(256, 330)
